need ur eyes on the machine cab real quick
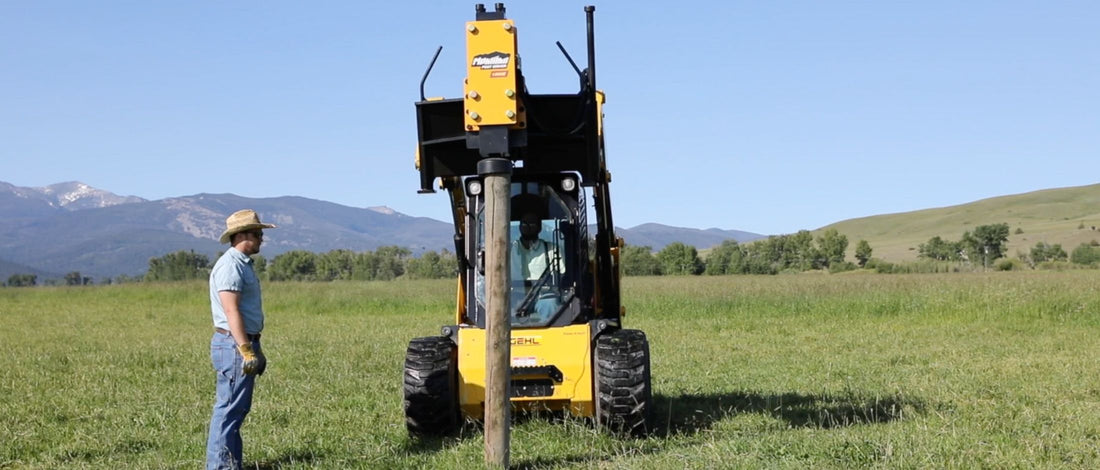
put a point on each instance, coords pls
(548, 253)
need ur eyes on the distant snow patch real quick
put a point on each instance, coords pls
(382, 210)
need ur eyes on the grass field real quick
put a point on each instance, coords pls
(802, 371)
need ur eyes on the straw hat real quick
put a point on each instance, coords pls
(240, 221)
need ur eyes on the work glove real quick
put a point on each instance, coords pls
(251, 361)
(263, 362)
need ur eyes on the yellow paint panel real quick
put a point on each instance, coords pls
(460, 303)
(600, 98)
(568, 348)
(491, 95)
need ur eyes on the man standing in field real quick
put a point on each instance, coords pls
(235, 347)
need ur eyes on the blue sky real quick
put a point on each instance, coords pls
(768, 117)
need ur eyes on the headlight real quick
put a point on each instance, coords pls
(568, 184)
(473, 187)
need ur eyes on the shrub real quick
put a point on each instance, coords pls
(178, 266)
(432, 265)
(880, 266)
(842, 266)
(1046, 252)
(22, 280)
(678, 259)
(923, 266)
(1055, 265)
(1085, 254)
(639, 261)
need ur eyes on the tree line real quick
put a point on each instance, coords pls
(986, 245)
(28, 280)
(983, 248)
(385, 263)
(795, 252)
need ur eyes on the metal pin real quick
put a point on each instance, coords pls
(474, 115)
(509, 93)
(511, 114)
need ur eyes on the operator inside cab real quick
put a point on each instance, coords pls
(540, 286)
(536, 270)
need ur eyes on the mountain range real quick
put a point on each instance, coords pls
(57, 229)
(65, 227)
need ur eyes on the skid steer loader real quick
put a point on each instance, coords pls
(569, 352)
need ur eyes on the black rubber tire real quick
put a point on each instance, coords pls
(624, 398)
(431, 386)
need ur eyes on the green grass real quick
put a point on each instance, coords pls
(820, 371)
(1051, 216)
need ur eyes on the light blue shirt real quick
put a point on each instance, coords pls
(528, 264)
(233, 272)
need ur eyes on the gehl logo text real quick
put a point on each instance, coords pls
(525, 341)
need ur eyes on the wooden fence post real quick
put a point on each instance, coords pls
(496, 174)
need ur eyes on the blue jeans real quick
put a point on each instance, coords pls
(231, 405)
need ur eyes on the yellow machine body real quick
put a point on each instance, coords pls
(569, 351)
(566, 348)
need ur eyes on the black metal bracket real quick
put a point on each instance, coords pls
(551, 371)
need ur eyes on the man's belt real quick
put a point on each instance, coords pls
(226, 332)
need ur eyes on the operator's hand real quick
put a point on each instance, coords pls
(251, 360)
(263, 362)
